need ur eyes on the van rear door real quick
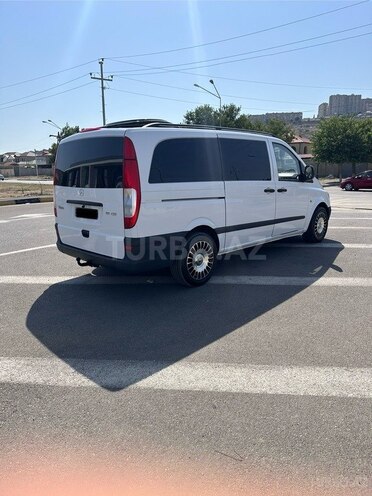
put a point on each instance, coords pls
(89, 192)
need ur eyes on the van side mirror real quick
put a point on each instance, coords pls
(309, 173)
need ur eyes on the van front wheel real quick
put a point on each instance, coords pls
(318, 226)
(197, 263)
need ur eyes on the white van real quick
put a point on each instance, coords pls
(135, 194)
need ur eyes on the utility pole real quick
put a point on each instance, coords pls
(101, 78)
(36, 164)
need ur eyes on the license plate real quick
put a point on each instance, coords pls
(86, 213)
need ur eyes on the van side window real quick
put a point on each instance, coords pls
(186, 160)
(245, 160)
(289, 167)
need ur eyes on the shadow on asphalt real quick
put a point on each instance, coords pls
(163, 323)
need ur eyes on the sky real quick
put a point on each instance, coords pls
(51, 47)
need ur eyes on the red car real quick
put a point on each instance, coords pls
(360, 181)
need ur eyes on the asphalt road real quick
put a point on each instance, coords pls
(259, 383)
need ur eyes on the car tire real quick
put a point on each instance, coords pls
(198, 261)
(349, 187)
(317, 227)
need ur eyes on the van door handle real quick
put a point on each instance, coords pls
(269, 190)
(281, 190)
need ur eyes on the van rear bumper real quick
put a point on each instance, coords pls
(125, 264)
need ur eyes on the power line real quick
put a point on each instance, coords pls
(47, 75)
(253, 51)
(228, 96)
(168, 68)
(191, 46)
(242, 35)
(250, 81)
(277, 84)
(43, 91)
(45, 97)
(188, 101)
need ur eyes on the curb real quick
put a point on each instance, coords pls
(31, 199)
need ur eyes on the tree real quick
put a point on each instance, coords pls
(280, 129)
(209, 116)
(231, 116)
(340, 140)
(203, 115)
(65, 131)
(365, 128)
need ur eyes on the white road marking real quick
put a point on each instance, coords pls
(349, 227)
(349, 209)
(292, 281)
(25, 217)
(90, 279)
(350, 218)
(32, 216)
(26, 249)
(324, 244)
(273, 245)
(189, 376)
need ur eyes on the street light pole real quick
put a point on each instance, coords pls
(51, 123)
(217, 95)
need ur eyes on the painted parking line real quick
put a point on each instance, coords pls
(352, 208)
(25, 217)
(325, 244)
(91, 279)
(189, 376)
(350, 227)
(27, 249)
(292, 281)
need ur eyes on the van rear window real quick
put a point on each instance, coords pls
(90, 163)
(186, 160)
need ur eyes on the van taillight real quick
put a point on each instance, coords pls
(131, 185)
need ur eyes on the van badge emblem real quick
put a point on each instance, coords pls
(81, 192)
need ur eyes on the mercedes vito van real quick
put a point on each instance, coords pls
(135, 194)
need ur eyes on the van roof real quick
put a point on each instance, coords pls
(166, 124)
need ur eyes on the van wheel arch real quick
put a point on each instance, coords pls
(324, 205)
(319, 218)
(206, 230)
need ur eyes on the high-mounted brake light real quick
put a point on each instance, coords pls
(131, 185)
(86, 129)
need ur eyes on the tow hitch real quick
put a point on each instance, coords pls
(85, 264)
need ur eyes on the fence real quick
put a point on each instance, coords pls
(323, 169)
(21, 170)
